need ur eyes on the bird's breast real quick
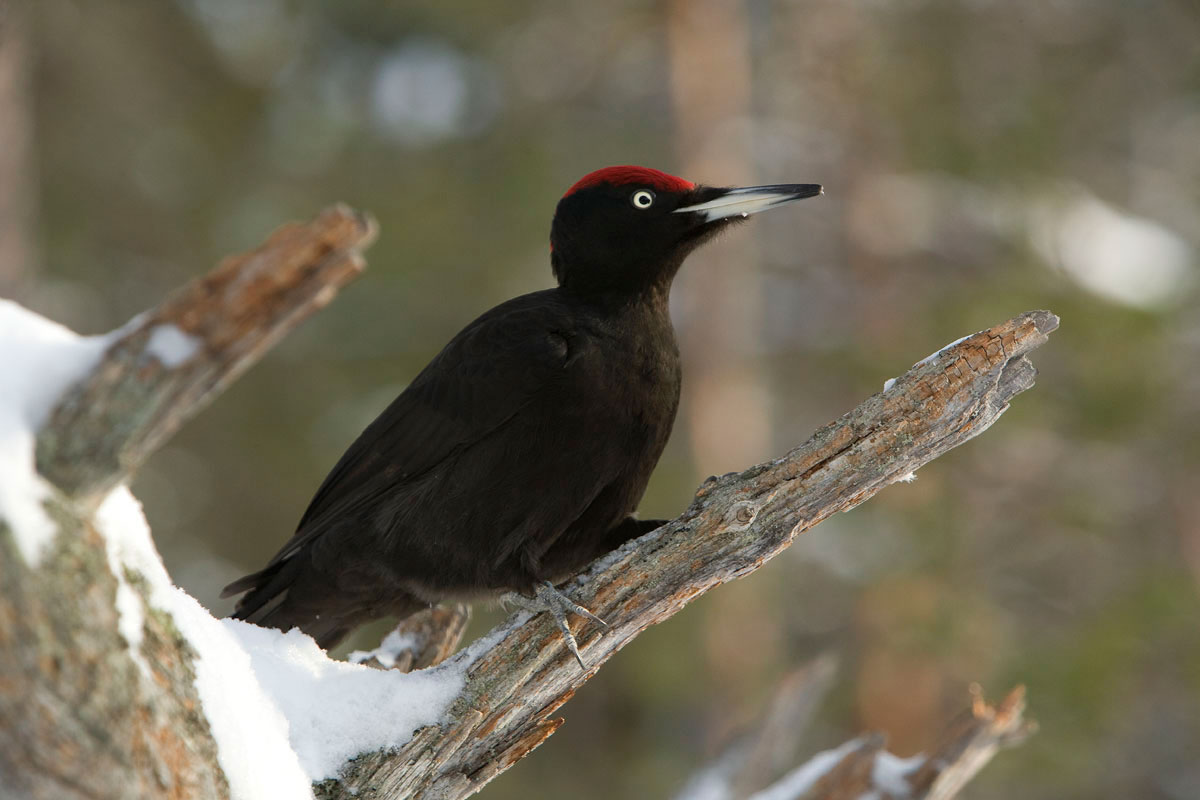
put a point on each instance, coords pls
(633, 374)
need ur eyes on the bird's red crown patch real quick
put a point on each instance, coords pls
(619, 176)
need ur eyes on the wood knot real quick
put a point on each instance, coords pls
(741, 514)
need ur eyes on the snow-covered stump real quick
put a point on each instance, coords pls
(519, 675)
(108, 674)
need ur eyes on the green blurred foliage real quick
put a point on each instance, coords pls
(966, 148)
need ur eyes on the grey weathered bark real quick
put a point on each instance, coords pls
(736, 523)
(80, 720)
(107, 426)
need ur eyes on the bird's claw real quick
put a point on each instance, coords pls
(552, 597)
(547, 598)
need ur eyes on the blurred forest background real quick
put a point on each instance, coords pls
(980, 158)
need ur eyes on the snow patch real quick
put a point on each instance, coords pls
(801, 780)
(711, 784)
(171, 346)
(250, 731)
(1119, 256)
(41, 360)
(337, 710)
(131, 616)
(889, 383)
(394, 645)
(932, 356)
(890, 773)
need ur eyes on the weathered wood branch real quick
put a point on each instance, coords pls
(736, 523)
(862, 767)
(968, 744)
(79, 718)
(168, 363)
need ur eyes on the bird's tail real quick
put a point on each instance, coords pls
(285, 595)
(271, 602)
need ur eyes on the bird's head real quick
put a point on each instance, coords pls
(624, 229)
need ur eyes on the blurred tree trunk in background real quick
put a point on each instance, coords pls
(720, 292)
(17, 198)
(726, 403)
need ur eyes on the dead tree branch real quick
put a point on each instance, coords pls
(862, 767)
(736, 524)
(428, 637)
(968, 744)
(168, 363)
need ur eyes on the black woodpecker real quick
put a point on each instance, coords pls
(520, 453)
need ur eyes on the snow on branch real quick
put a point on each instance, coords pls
(518, 677)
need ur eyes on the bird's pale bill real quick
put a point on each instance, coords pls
(751, 199)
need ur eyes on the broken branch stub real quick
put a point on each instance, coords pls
(167, 363)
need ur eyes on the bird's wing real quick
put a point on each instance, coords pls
(480, 380)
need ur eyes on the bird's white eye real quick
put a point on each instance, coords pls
(642, 199)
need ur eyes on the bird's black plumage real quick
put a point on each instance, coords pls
(521, 451)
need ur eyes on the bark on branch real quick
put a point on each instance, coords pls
(735, 524)
(168, 363)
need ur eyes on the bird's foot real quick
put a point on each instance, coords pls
(547, 598)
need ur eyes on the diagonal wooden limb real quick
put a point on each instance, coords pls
(166, 364)
(520, 674)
